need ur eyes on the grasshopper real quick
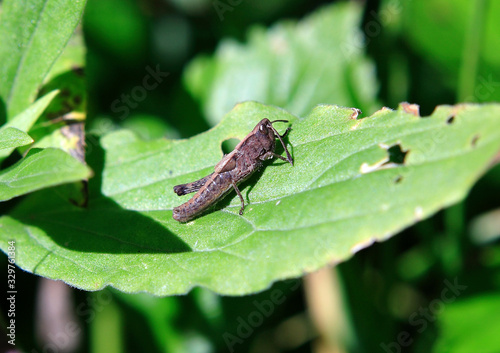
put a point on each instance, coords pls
(233, 169)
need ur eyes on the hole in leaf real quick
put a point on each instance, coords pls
(474, 140)
(450, 120)
(228, 145)
(396, 154)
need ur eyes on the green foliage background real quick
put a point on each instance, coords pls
(156, 75)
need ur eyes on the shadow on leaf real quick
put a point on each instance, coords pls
(102, 227)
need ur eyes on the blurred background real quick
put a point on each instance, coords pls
(173, 68)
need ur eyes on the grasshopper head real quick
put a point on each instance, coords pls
(265, 128)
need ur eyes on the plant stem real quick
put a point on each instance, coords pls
(325, 306)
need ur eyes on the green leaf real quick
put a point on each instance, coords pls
(292, 65)
(34, 33)
(25, 120)
(40, 169)
(354, 182)
(478, 333)
(11, 138)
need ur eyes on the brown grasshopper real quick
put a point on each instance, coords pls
(233, 169)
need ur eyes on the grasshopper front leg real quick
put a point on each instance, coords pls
(271, 155)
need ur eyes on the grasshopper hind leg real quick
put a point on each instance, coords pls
(194, 186)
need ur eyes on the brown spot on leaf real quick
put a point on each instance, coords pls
(355, 113)
(413, 109)
(474, 140)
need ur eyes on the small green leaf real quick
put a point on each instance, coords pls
(354, 182)
(11, 138)
(276, 66)
(38, 170)
(25, 120)
(34, 33)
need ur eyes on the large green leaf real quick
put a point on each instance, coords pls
(33, 34)
(292, 65)
(40, 169)
(355, 181)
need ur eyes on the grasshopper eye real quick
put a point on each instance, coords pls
(263, 129)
